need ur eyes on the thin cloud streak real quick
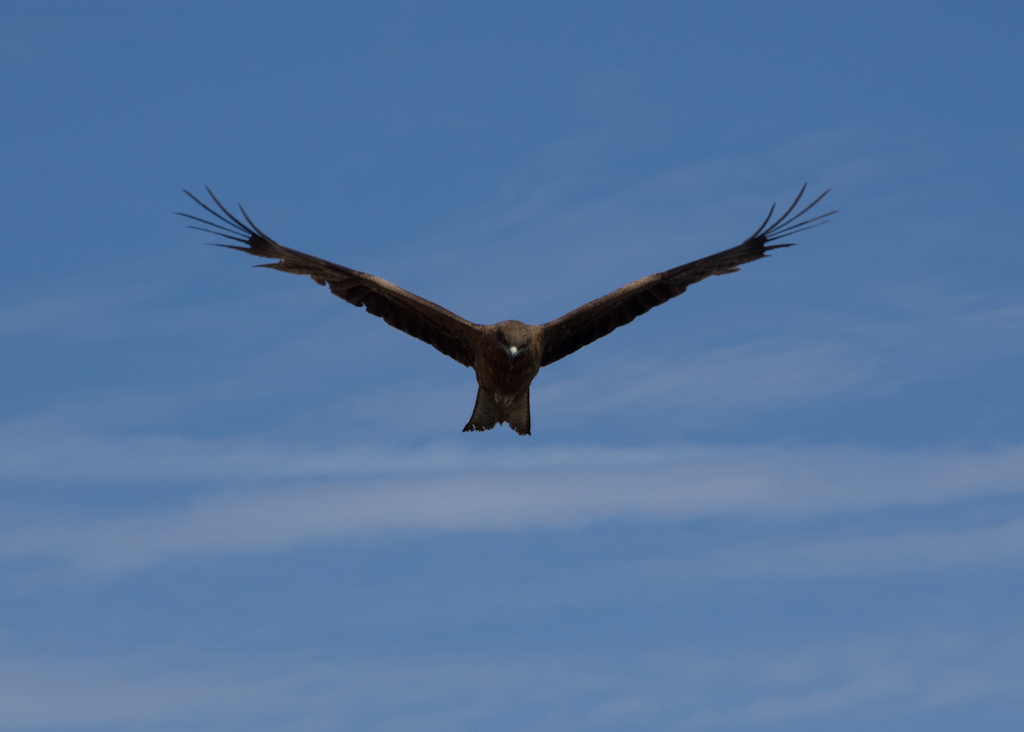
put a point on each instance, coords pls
(863, 556)
(868, 675)
(828, 358)
(329, 496)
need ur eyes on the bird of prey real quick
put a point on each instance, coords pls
(506, 356)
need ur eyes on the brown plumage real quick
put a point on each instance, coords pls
(507, 355)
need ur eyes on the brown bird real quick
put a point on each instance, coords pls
(507, 355)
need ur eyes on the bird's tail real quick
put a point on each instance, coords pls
(488, 412)
(518, 413)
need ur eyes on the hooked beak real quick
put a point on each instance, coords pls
(512, 352)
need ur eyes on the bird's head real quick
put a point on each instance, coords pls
(514, 337)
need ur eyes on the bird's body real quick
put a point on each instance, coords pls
(506, 356)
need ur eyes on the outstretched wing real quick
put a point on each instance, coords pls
(600, 317)
(444, 330)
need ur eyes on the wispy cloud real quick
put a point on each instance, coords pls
(673, 687)
(829, 356)
(875, 555)
(296, 496)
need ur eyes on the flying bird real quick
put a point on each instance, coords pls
(506, 356)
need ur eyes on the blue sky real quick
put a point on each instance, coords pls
(790, 499)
